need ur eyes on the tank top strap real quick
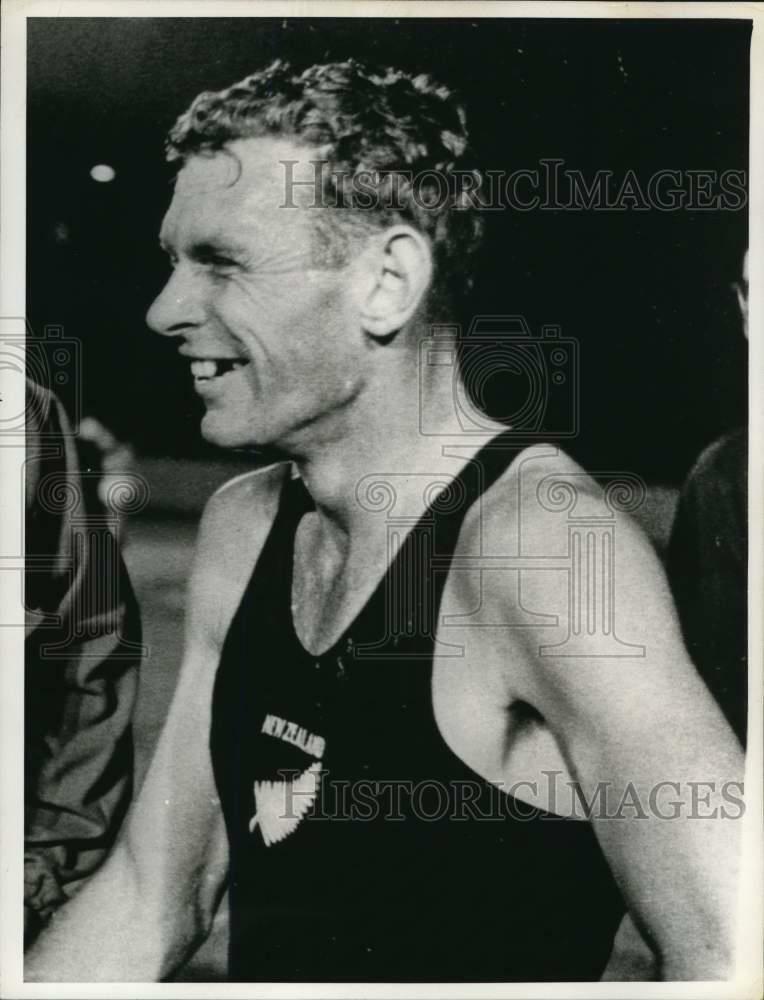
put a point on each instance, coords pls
(450, 507)
(404, 608)
(271, 578)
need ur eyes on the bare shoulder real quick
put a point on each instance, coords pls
(547, 493)
(578, 571)
(242, 510)
(233, 529)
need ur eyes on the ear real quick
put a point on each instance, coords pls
(399, 273)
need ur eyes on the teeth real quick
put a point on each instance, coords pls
(213, 367)
(204, 369)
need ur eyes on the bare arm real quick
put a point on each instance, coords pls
(657, 765)
(156, 896)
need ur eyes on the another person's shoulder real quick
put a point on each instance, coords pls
(44, 413)
(722, 466)
(40, 403)
(49, 437)
(725, 453)
(713, 503)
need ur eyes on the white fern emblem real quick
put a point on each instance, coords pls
(280, 805)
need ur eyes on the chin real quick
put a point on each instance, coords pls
(225, 434)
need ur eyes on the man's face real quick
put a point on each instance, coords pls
(270, 338)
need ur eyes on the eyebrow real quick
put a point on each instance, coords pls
(202, 249)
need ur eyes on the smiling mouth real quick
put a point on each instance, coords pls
(203, 370)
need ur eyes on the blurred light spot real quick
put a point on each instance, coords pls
(103, 173)
(61, 232)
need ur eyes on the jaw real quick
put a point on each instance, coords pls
(298, 407)
(283, 423)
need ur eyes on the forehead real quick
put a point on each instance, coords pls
(250, 186)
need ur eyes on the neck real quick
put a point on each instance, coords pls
(389, 435)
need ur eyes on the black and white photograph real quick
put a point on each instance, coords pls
(380, 605)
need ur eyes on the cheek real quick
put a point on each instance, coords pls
(245, 312)
(252, 311)
(296, 329)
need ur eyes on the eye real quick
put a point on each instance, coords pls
(218, 261)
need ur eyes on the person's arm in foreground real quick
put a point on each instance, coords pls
(155, 897)
(81, 675)
(650, 749)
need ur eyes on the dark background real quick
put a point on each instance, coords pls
(663, 359)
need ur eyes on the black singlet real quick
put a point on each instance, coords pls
(361, 847)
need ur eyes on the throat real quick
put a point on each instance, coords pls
(330, 588)
(319, 617)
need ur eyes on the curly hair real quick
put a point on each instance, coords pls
(395, 148)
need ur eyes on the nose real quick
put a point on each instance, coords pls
(178, 308)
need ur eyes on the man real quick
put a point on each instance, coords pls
(337, 672)
(708, 568)
(708, 562)
(82, 654)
